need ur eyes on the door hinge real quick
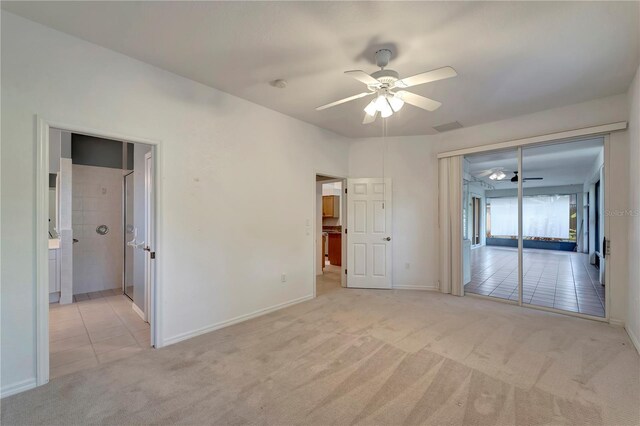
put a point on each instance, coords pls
(345, 230)
(607, 247)
(345, 190)
(345, 271)
(153, 254)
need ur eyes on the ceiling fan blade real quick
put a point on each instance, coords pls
(369, 118)
(426, 77)
(341, 101)
(419, 101)
(363, 77)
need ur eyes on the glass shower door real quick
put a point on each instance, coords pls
(130, 236)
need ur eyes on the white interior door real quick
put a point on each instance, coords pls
(369, 233)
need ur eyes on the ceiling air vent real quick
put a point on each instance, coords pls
(449, 126)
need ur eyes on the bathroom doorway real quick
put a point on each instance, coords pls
(100, 210)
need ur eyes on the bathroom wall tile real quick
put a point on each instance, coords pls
(77, 203)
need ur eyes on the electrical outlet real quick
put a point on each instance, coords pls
(283, 278)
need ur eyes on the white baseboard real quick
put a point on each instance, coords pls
(415, 287)
(634, 339)
(138, 311)
(616, 322)
(241, 318)
(17, 387)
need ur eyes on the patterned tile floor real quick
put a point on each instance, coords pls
(97, 328)
(556, 279)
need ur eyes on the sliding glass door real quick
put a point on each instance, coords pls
(490, 225)
(533, 221)
(560, 270)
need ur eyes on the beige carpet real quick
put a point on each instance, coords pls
(363, 357)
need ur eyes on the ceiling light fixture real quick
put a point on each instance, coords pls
(386, 104)
(497, 175)
(370, 109)
(279, 83)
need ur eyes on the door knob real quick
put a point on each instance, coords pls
(146, 249)
(387, 239)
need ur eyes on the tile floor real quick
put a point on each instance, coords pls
(329, 280)
(97, 328)
(556, 279)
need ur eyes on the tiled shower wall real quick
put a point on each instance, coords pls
(97, 200)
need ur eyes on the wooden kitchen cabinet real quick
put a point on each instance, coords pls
(335, 248)
(331, 206)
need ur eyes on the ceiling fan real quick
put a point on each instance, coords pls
(514, 179)
(387, 86)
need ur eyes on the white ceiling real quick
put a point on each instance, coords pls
(512, 58)
(558, 164)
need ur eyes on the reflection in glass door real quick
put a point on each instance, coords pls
(475, 234)
(130, 235)
(490, 228)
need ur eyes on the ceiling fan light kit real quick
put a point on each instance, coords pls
(497, 175)
(384, 84)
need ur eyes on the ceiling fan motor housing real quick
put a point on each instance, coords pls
(383, 56)
(386, 77)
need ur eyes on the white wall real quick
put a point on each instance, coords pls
(412, 164)
(229, 228)
(97, 200)
(633, 301)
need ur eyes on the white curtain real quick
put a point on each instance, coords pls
(450, 224)
(544, 216)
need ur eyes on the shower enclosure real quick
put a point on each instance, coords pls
(130, 236)
(134, 240)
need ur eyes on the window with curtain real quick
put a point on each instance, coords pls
(544, 217)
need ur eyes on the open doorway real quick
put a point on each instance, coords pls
(100, 275)
(329, 219)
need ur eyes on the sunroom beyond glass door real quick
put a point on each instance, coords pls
(490, 225)
(559, 260)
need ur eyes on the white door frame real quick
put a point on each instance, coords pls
(343, 212)
(148, 232)
(42, 243)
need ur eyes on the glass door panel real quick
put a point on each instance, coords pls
(559, 181)
(130, 235)
(490, 225)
